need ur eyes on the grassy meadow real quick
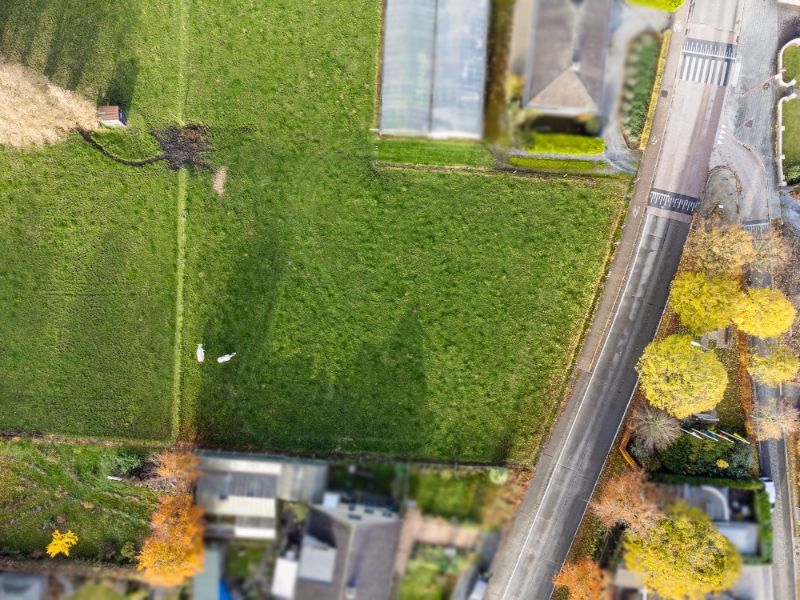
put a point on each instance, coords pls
(372, 309)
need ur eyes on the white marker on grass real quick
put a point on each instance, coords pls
(201, 353)
(226, 357)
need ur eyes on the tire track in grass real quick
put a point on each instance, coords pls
(180, 259)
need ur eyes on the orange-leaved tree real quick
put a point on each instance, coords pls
(179, 467)
(174, 550)
(583, 580)
(630, 500)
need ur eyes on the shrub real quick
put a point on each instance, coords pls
(654, 429)
(567, 143)
(667, 5)
(692, 456)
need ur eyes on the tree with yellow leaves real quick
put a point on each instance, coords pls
(174, 551)
(684, 556)
(779, 364)
(764, 313)
(680, 378)
(704, 304)
(61, 543)
(583, 580)
(719, 249)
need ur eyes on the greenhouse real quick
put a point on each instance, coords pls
(434, 68)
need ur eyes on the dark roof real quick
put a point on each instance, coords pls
(567, 54)
(365, 545)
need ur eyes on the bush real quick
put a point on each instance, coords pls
(126, 462)
(667, 5)
(692, 456)
(641, 68)
(566, 143)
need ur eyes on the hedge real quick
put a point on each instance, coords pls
(567, 143)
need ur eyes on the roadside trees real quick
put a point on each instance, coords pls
(704, 304)
(775, 419)
(629, 500)
(681, 378)
(683, 556)
(764, 313)
(583, 580)
(720, 249)
(779, 364)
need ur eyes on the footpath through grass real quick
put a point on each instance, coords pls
(372, 310)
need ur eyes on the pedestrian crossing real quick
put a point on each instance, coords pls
(671, 201)
(705, 62)
(757, 226)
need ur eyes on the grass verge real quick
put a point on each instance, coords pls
(791, 141)
(431, 152)
(791, 62)
(567, 143)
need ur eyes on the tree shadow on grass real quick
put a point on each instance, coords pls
(82, 34)
(377, 403)
(122, 85)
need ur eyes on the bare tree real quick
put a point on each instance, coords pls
(628, 500)
(775, 420)
(654, 428)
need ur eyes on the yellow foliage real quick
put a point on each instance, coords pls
(684, 556)
(174, 551)
(764, 313)
(719, 249)
(704, 304)
(61, 543)
(680, 378)
(779, 364)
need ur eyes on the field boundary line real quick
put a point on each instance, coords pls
(180, 258)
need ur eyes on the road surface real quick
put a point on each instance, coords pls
(700, 69)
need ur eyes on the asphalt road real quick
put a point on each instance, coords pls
(564, 481)
(677, 163)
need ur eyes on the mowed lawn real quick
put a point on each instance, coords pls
(87, 279)
(372, 309)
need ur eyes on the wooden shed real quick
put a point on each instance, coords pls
(111, 116)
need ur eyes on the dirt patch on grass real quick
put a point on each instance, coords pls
(220, 176)
(186, 145)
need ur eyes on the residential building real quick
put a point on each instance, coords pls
(239, 492)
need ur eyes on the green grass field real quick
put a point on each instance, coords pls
(791, 141)
(46, 487)
(372, 309)
(428, 152)
(791, 62)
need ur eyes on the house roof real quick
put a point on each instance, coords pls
(567, 47)
(365, 541)
(22, 586)
(205, 585)
(567, 91)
